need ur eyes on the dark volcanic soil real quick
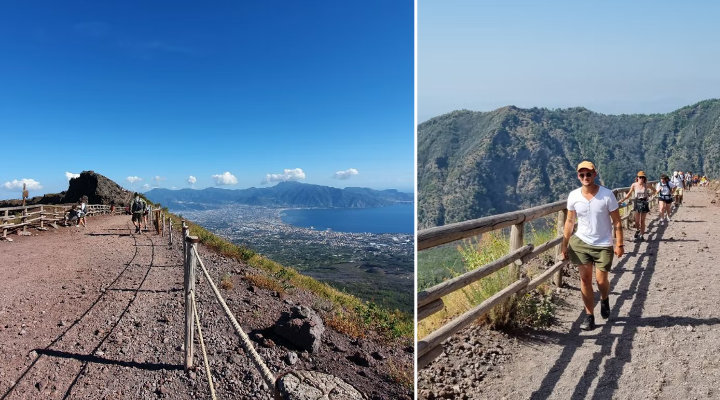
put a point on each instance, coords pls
(98, 313)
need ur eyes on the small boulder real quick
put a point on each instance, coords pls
(302, 327)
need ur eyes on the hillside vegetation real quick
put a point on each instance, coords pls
(473, 164)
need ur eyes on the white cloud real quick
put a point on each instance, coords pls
(70, 175)
(159, 178)
(225, 179)
(347, 174)
(287, 175)
(32, 184)
(146, 186)
(191, 180)
(133, 179)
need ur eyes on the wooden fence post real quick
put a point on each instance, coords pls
(5, 221)
(629, 212)
(23, 220)
(170, 231)
(163, 224)
(561, 217)
(190, 264)
(184, 229)
(517, 239)
(157, 221)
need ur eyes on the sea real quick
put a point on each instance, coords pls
(397, 218)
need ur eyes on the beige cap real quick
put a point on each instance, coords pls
(641, 173)
(586, 165)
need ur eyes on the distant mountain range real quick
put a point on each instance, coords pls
(284, 194)
(473, 164)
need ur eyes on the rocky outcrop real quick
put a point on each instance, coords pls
(98, 189)
(311, 385)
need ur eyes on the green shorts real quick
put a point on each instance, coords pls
(582, 253)
(137, 216)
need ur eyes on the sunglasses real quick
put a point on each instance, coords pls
(585, 175)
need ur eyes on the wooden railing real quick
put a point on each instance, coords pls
(429, 301)
(18, 219)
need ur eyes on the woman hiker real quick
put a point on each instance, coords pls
(642, 193)
(665, 190)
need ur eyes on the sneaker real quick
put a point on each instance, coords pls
(605, 308)
(588, 323)
(637, 233)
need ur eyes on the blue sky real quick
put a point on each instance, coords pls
(235, 94)
(613, 57)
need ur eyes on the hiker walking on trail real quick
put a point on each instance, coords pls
(596, 210)
(642, 194)
(82, 212)
(137, 208)
(145, 215)
(665, 190)
(678, 181)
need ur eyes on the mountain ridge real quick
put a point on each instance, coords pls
(284, 194)
(472, 164)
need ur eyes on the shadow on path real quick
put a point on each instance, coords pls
(100, 360)
(642, 271)
(47, 351)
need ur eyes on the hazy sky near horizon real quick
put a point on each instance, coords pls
(195, 94)
(612, 57)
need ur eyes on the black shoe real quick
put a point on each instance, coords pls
(605, 308)
(637, 233)
(589, 323)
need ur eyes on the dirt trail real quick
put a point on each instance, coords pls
(662, 340)
(98, 313)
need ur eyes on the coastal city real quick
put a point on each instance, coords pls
(374, 267)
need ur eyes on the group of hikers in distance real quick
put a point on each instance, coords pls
(599, 235)
(77, 213)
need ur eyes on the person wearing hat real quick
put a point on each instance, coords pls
(678, 180)
(642, 194)
(596, 210)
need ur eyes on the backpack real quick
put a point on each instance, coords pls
(138, 205)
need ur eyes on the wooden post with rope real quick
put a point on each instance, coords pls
(184, 228)
(170, 231)
(190, 264)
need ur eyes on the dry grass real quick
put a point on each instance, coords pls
(346, 325)
(401, 373)
(226, 282)
(265, 282)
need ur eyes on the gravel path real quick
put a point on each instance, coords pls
(98, 313)
(662, 340)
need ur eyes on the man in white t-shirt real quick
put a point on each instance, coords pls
(596, 210)
(678, 181)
